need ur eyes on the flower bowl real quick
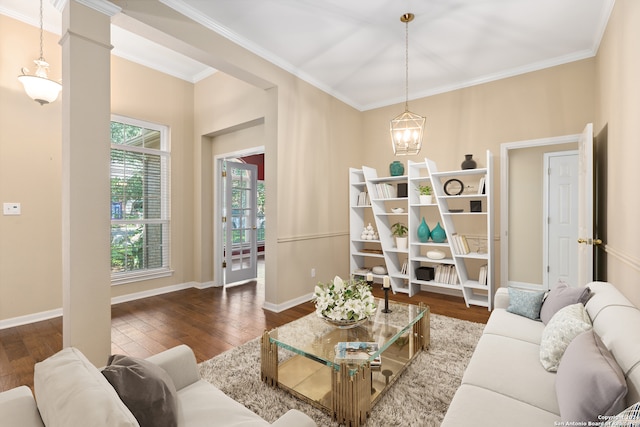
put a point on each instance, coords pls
(344, 303)
(344, 324)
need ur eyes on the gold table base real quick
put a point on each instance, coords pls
(351, 400)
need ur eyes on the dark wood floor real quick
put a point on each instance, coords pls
(210, 321)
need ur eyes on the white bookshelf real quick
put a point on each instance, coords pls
(477, 227)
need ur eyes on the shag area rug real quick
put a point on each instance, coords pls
(420, 397)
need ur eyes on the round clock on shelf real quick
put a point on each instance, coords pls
(453, 187)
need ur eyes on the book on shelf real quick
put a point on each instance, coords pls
(460, 244)
(482, 276)
(385, 191)
(403, 270)
(358, 350)
(481, 185)
(446, 274)
(363, 199)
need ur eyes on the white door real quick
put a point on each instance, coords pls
(239, 222)
(585, 206)
(562, 182)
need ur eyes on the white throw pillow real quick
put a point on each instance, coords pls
(564, 326)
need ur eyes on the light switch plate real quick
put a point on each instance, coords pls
(11, 208)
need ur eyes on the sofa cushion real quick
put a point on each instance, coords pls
(145, 388)
(525, 303)
(630, 417)
(70, 391)
(506, 324)
(476, 406)
(204, 405)
(18, 408)
(589, 384)
(561, 296)
(503, 365)
(563, 327)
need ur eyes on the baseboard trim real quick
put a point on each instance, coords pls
(152, 292)
(30, 318)
(277, 308)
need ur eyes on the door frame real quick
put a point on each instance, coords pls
(505, 149)
(218, 204)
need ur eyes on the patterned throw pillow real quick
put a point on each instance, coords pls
(525, 303)
(563, 327)
(630, 417)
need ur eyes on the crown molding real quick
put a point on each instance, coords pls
(102, 6)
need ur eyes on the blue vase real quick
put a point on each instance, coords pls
(438, 235)
(423, 232)
(396, 168)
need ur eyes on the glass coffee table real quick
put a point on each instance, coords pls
(300, 357)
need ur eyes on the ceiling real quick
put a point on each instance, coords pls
(355, 49)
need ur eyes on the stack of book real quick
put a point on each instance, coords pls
(385, 191)
(363, 199)
(358, 351)
(446, 274)
(482, 276)
(459, 244)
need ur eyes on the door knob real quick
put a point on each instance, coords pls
(581, 240)
(597, 242)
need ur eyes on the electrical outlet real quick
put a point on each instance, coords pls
(11, 209)
(313, 272)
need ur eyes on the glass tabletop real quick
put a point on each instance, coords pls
(314, 338)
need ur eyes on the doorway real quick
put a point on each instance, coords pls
(239, 218)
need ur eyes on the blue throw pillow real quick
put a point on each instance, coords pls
(525, 303)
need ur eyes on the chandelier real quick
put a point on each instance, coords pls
(407, 128)
(38, 86)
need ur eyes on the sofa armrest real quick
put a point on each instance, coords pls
(180, 363)
(501, 299)
(294, 418)
(18, 408)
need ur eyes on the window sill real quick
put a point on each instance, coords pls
(124, 278)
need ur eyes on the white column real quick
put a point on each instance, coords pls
(86, 105)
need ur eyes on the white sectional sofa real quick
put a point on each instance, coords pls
(71, 392)
(505, 383)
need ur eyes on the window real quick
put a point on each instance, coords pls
(140, 160)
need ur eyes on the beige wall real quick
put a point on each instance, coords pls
(548, 103)
(618, 108)
(30, 162)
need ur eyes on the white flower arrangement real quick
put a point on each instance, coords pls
(350, 300)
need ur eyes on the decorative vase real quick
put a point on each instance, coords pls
(438, 234)
(423, 231)
(396, 168)
(468, 163)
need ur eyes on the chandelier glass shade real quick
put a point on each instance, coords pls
(407, 129)
(38, 86)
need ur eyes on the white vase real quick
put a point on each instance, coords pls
(401, 243)
(426, 199)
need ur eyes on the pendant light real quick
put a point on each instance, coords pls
(38, 86)
(407, 128)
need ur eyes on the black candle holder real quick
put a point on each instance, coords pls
(386, 301)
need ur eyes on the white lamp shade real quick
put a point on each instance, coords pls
(407, 130)
(40, 89)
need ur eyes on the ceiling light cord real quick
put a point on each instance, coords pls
(406, 65)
